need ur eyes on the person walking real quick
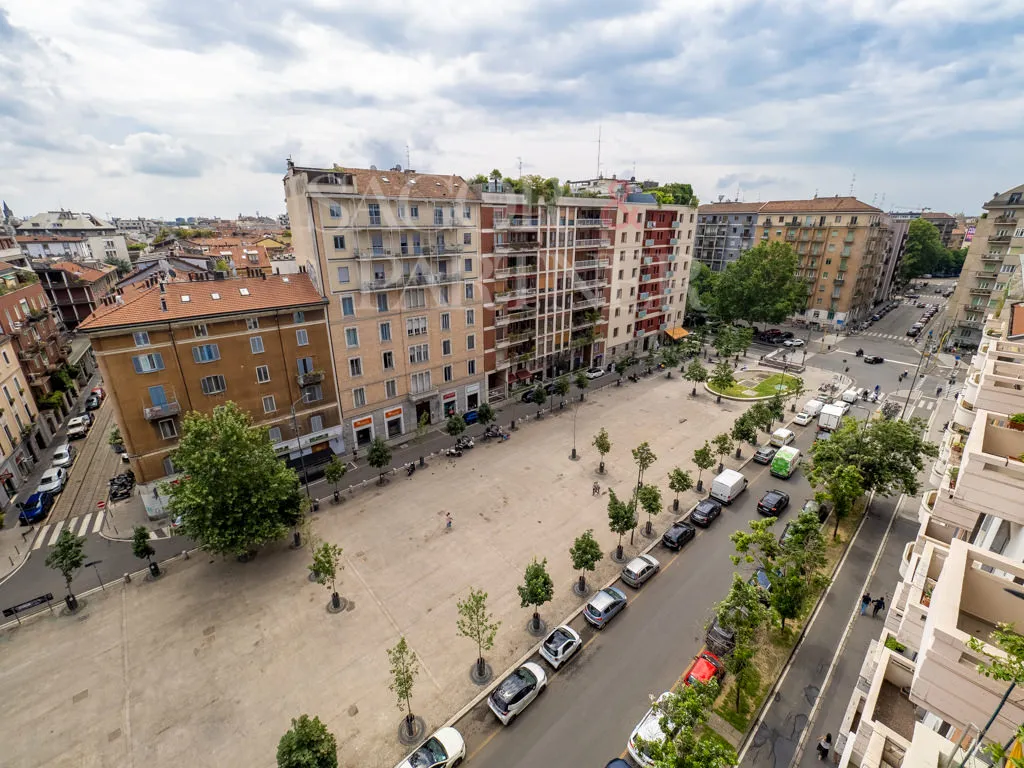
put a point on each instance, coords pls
(596, 490)
(877, 605)
(824, 746)
(865, 601)
(447, 521)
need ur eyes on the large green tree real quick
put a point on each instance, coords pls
(675, 193)
(761, 286)
(232, 494)
(537, 588)
(923, 253)
(841, 489)
(743, 612)
(308, 744)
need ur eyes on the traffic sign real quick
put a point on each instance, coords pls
(16, 609)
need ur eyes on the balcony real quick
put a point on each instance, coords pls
(676, 224)
(516, 223)
(419, 397)
(673, 241)
(992, 257)
(595, 242)
(579, 285)
(648, 243)
(502, 319)
(1000, 385)
(509, 271)
(582, 223)
(409, 281)
(590, 264)
(515, 247)
(164, 411)
(998, 239)
(375, 252)
(308, 379)
(518, 293)
(584, 304)
(982, 290)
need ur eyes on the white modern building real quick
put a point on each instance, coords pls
(102, 238)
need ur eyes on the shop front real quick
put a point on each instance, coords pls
(362, 430)
(450, 403)
(394, 423)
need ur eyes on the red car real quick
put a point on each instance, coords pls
(705, 668)
(99, 392)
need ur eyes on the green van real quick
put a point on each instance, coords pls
(785, 462)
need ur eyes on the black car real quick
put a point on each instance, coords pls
(720, 639)
(92, 402)
(765, 454)
(873, 359)
(773, 503)
(676, 536)
(705, 512)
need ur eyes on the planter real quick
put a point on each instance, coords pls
(1017, 425)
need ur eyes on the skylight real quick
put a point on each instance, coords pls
(284, 279)
(215, 296)
(244, 291)
(185, 299)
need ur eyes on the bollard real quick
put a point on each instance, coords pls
(422, 464)
(184, 554)
(127, 578)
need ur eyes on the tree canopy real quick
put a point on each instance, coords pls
(675, 193)
(761, 286)
(683, 715)
(923, 253)
(308, 744)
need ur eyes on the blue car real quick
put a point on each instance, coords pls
(36, 507)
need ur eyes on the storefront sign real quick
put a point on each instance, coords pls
(392, 413)
(363, 422)
(448, 396)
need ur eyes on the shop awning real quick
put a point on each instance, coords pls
(522, 375)
(677, 333)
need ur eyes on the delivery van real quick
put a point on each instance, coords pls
(727, 486)
(852, 395)
(831, 416)
(781, 437)
(785, 462)
(812, 407)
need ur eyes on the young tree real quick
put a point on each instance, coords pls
(761, 286)
(603, 446)
(326, 561)
(142, 549)
(743, 612)
(586, 554)
(537, 588)
(581, 382)
(723, 447)
(643, 457)
(485, 415)
(775, 408)
(621, 366)
(621, 518)
(649, 498)
(114, 438)
(744, 337)
(67, 557)
(684, 713)
(743, 431)
(842, 488)
(696, 373)
(308, 744)
(561, 386)
(725, 341)
(233, 494)
(422, 427)
(761, 418)
(669, 358)
(404, 669)
(476, 624)
(679, 481)
(704, 459)
(455, 425)
(539, 397)
(333, 473)
(379, 457)
(721, 378)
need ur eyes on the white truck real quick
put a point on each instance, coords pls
(830, 417)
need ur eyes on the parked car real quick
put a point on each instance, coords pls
(821, 510)
(517, 691)
(445, 749)
(64, 456)
(793, 342)
(877, 316)
(77, 428)
(705, 513)
(773, 503)
(100, 392)
(765, 454)
(803, 419)
(649, 731)
(706, 668)
(53, 480)
(595, 373)
(604, 606)
(36, 507)
(913, 331)
(873, 359)
(640, 569)
(678, 535)
(760, 580)
(720, 639)
(822, 434)
(560, 645)
(92, 402)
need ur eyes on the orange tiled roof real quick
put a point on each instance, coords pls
(400, 183)
(275, 292)
(239, 255)
(82, 272)
(711, 208)
(819, 205)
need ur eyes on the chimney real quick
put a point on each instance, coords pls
(163, 303)
(163, 287)
(263, 275)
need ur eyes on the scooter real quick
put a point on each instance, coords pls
(860, 353)
(464, 443)
(452, 452)
(410, 468)
(493, 430)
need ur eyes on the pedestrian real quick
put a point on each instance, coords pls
(877, 605)
(448, 521)
(596, 490)
(865, 601)
(824, 746)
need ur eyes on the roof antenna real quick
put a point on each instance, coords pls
(853, 181)
(408, 162)
(520, 161)
(599, 150)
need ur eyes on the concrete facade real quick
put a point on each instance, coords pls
(724, 231)
(74, 288)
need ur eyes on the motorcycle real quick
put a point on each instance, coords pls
(410, 468)
(464, 443)
(493, 430)
(860, 353)
(452, 452)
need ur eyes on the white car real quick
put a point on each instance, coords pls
(793, 343)
(803, 419)
(560, 646)
(517, 691)
(77, 427)
(53, 480)
(63, 456)
(445, 749)
(595, 373)
(649, 729)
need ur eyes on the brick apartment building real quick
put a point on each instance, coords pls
(19, 440)
(75, 289)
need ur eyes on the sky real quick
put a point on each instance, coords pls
(166, 108)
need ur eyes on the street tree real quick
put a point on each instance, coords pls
(696, 373)
(333, 473)
(404, 668)
(761, 286)
(586, 554)
(669, 358)
(684, 713)
(307, 744)
(649, 499)
(643, 457)
(562, 386)
(326, 561)
(743, 431)
(621, 519)
(537, 588)
(621, 366)
(67, 556)
(581, 382)
(760, 416)
(476, 624)
(379, 457)
(232, 493)
(721, 379)
(422, 427)
(679, 481)
(758, 546)
(723, 446)
(923, 252)
(455, 425)
(744, 337)
(841, 489)
(775, 407)
(142, 549)
(603, 446)
(485, 415)
(725, 342)
(704, 459)
(744, 613)
(539, 398)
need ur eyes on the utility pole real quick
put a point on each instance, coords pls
(598, 151)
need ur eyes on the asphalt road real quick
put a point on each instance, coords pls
(591, 706)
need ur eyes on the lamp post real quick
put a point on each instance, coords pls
(911, 389)
(575, 411)
(296, 534)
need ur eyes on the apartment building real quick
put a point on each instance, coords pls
(10, 251)
(724, 231)
(942, 222)
(259, 341)
(100, 237)
(841, 243)
(397, 256)
(67, 247)
(993, 258)
(920, 701)
(74, 288)
(892, 259)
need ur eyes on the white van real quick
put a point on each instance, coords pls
(781, 437)
(812, 407)
(727, 486)
(852, 395)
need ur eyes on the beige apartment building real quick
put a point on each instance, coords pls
(18, 414)
(397, 254)
(993, 258)
(841, 243)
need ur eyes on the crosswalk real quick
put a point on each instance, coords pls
(878, 335)
(80, 526)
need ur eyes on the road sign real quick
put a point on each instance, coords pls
(91, 563)
(16, 609)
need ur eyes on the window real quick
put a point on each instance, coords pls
(416, 326)
(385, 331)
(167, 429)
(388, 360)
(467, 265)
(420, 382)
(373, 209)
(343, 276)
(470, 316)
(335, 210)
(853, 221)
(348, 307)
(446, 321)
(469, 290)
(274, 433)
(382, 302)
(312, 393)
(620, 274)
(448, 374)
(7, 360)
(471, 367)
(256, 344)
(390, 389)
(467, 238)
(141, 338)
(419, 353)
(415, 298)
(213, 385)
(269, 404)
(446, 347)
(316, 423)
(358, 397)
(339, 242)
(467, 211)
(617, 310)
(205, 353)
(299, 316)
(302, 337)
(200, 331)
(442, 294)
(262, 374)
(148, 363)
(355, 366)
(615, 333)
(7, 394)
(471, 341)
(414, 211)
(351, 337)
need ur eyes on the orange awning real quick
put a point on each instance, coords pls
(677, 333)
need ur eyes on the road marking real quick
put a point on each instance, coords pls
(56, 533)
(487, 741)
(152, 535)
(99, 521)
(84, 527)
(41, 537)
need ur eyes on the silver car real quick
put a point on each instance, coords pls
(604, 606)
(640, 569)
(63, 456)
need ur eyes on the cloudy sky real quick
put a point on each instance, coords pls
(184, 107)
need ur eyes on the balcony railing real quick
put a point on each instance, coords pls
(591, 264)
(982, 290)
(515, 223)
(991, 257)
(1010, 217)
(164, 411)
(519, 270)
(597, 242)
(593, 223)
(308, 379)
(507, 318)
(597, 302)
(410, 281)
(999, 239)
(582, 284)
(518, 293)
(506, 247)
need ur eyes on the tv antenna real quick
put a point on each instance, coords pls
(598, 150)
(520, 161)
(408, 162)
(853, 182)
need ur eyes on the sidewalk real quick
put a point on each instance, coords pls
(14, 548)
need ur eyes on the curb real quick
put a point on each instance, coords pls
(18, 567)
(746, 399)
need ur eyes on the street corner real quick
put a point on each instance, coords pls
(124, 516)
(15, 545)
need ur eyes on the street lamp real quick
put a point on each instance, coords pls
(296, 534)
(575, 411)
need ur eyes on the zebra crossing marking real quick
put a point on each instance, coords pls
(100, 517)
(56, 533)
(83, 527)
(41, 536)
